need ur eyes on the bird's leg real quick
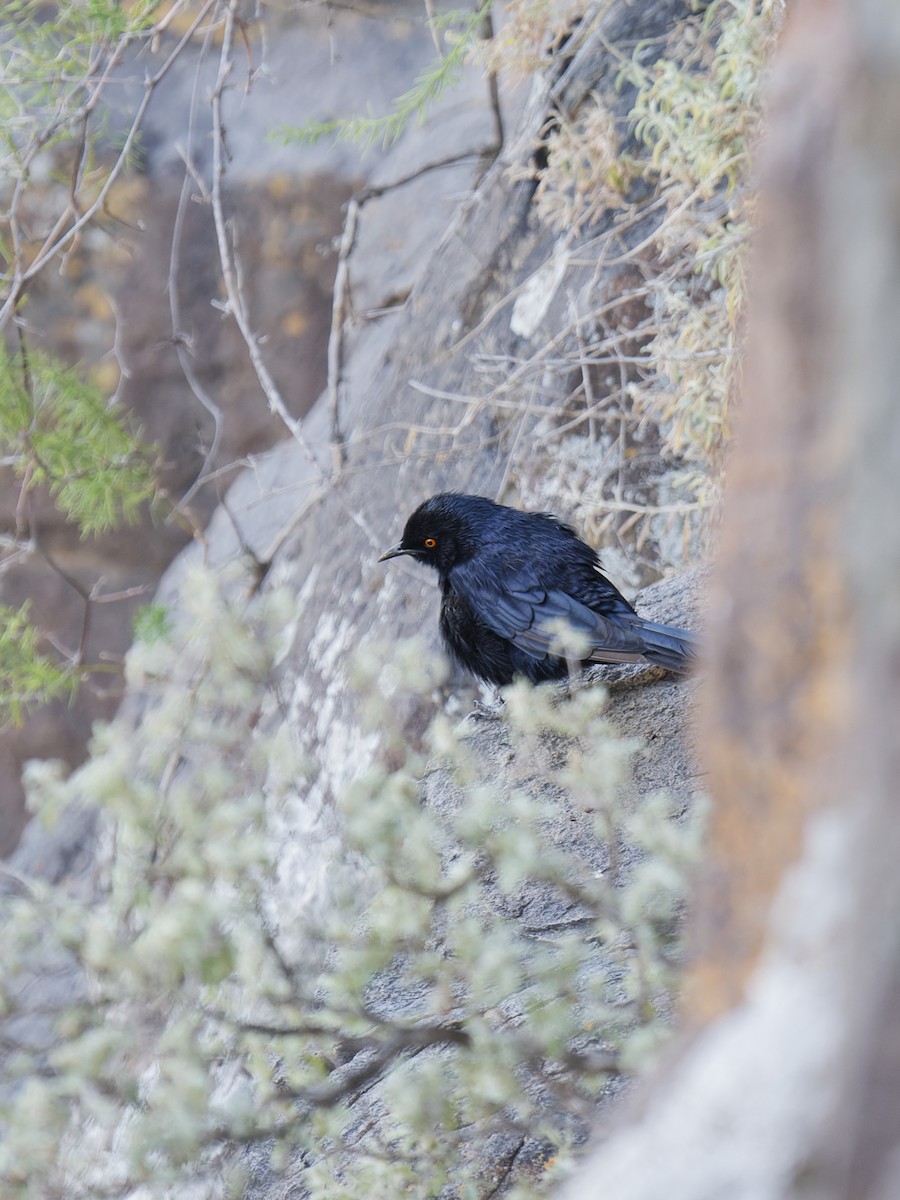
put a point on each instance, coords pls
(489, 711)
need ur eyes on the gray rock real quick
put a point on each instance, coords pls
(414, 423)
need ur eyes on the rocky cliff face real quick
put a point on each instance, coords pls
(447, 289)
(495, 288)
(139, 304)
(786, 1088)
(414, 409)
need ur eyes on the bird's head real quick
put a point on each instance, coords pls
(438, 533)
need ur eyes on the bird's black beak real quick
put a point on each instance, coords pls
(394, 552)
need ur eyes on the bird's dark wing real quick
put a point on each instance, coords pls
(532, 615)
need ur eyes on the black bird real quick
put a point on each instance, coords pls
(509, 581)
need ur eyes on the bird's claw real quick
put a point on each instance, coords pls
(488, 712)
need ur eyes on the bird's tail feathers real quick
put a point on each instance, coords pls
(667, 646)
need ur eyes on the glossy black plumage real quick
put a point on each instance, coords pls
(509, 579)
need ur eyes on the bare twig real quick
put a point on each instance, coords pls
(342, 303)
(493, 82)
(180, 340)
(72, 221)
(236, 306)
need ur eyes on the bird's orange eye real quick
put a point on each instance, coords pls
(430, 543)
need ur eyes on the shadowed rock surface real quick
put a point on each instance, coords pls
(320, 531)
(148, 285)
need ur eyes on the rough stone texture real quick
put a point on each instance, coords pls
(789, 1086)
(286, 203)
(321, 533)
(654, 707)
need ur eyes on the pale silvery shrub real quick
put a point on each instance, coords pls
(427, 1017)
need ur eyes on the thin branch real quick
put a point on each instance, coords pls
(342, 301)
(487, 33)
(235, 304)
(66, 230)
(181, 342)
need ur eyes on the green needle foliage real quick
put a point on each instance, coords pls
(385, 1028)
(27, 675)
(48, 59)
(52, 66)
(151, 623)
(412, 105)
(59, 432)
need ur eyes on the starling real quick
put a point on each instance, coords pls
(510, 581)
